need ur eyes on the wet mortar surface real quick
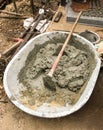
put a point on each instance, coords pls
(70, 77)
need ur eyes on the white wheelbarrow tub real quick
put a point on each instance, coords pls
(12, 85)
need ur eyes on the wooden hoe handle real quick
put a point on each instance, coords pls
(63, 47)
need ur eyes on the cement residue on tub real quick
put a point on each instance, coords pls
(71, 75)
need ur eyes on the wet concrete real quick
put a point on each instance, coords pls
(70, 77)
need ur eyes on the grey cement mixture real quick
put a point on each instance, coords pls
(70, 77)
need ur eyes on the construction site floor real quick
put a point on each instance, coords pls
(89, 117)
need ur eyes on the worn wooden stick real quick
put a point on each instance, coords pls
(13, 17)
(11, 48)
(32, 6)
(63, 47)
(14, 3)
(11, 13)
